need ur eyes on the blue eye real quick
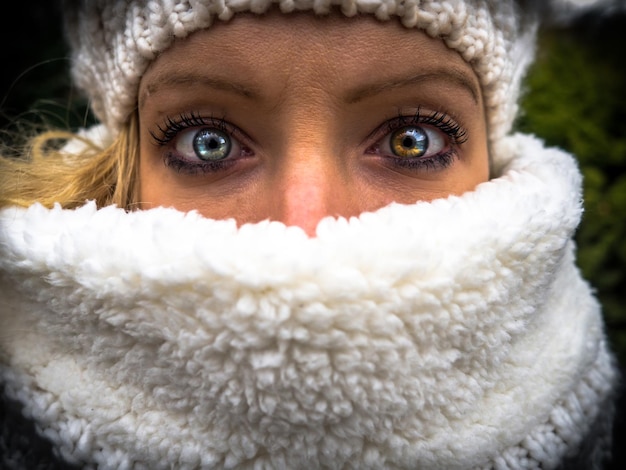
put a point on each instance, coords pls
(211, 144)
(195, 144)
(206, 144)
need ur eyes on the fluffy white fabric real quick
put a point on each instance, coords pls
(453, 334)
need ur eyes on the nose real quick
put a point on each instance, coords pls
(310, 185)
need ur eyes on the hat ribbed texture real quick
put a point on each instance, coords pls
(113, 42)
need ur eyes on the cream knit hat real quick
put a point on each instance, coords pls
(114, 41)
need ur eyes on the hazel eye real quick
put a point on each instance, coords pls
(413, 142)
(206, 144)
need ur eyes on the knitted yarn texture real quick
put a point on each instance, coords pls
(113, 42)
(451, 334)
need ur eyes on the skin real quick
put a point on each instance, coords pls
(310, 100)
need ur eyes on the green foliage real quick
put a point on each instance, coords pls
(576, 100)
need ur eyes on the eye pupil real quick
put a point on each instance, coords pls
(211, 144)
(409, 142)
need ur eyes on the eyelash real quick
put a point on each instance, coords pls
(456, 134)
(171, 128)
(441, 121)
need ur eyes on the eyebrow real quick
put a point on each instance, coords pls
(172, 80)
(175, 79)
(453, 76)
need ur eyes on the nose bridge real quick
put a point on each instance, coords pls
(311, 180)
(307, 184)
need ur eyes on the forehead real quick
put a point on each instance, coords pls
(275, 48)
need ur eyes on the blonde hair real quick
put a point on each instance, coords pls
(47, 174)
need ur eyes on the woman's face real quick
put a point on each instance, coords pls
(294, 118)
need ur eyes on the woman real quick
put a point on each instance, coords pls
(302, 237)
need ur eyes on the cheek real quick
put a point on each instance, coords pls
(153, 183)
(469, 169)
(218, 198)
(474, 165)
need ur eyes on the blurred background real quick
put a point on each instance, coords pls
(575, 98)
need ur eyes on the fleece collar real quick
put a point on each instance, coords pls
(451, 334)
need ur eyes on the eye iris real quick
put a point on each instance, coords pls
(409, 142)
(211, 144)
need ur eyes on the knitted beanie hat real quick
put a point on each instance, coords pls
(114, 41)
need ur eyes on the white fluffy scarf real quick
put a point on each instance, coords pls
(454, 334)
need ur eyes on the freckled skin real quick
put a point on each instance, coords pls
(311, 102)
